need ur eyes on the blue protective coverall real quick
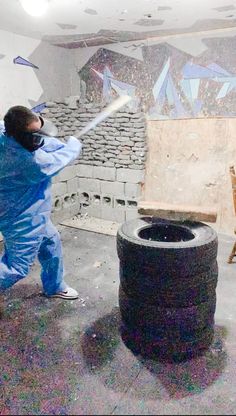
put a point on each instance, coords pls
(25, 207)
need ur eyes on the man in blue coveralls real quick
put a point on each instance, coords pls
(28, 161)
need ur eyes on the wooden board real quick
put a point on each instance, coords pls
(233, 182)
(177, 212)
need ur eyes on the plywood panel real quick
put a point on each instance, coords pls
(188, 163)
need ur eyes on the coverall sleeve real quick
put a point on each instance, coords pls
(2, 126)
(51, 158)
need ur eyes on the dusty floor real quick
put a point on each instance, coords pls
(66, 357)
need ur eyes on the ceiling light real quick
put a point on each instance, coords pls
(35, 7)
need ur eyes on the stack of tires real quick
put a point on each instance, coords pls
(168, 279)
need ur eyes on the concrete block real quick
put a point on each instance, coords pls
(95, 199)
(112, 188)
(57, 217)
(130, 175)
(65, 214)
(57, 204)
(131, 204)
(72, 185)
(120, 202)
(59, 189)
(133, 190)
(92, 211)
(113, 214)
(92, 185)
(136, 166)
(84, 171)
(55, 179)
(107, 200)
(72, 101)
(51, 104)
(68, 173)
(84, 197)
(74, 198)
(74, 210)
(131, 214)
(69, 200)
(108, 174)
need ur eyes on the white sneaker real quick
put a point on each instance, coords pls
(68, 293)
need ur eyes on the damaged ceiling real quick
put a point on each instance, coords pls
(80, 23)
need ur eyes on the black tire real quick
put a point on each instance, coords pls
(174, 323)
(167, 260)
(177, 293)
(148, 347)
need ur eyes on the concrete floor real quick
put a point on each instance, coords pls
(67, 357)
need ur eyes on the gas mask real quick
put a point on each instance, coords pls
(32, 141)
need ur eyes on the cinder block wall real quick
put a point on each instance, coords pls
(107, 180)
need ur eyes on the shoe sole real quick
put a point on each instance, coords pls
(63, 297)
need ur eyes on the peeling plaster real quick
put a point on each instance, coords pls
(177, 17)
(162, 8)
(104, 37)
(128, 49)
(84, 55)
(192, 46)
(149, 22)
(66, 26)
(91, 11)
(225, 8)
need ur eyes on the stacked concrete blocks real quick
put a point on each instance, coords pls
(106, 181)
(109, 195)
(65, 195)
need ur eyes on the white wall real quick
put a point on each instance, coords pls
(56, 77)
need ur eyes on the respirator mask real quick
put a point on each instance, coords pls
(32, 141)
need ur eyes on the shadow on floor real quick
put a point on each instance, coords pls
(180, 380)
(193, 376)
(44, 355)
(99, 342)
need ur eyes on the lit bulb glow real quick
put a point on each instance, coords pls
(35, 8)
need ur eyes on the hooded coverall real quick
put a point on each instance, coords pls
(25, 207)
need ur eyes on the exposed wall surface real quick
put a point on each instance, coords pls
(173, 77)
(32, 72)
(106, 182)
(173, 81)
(188, 163)
(186, 86)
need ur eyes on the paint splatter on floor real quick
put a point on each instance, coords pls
(67, 357)
(38, 370)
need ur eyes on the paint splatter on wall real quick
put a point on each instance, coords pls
(169, 83)
(22, 61)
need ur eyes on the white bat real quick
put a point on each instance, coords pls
(116, 105)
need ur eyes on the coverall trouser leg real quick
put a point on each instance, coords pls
(22, 248)
(51, 259)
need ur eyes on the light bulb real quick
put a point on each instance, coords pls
(35, 7)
